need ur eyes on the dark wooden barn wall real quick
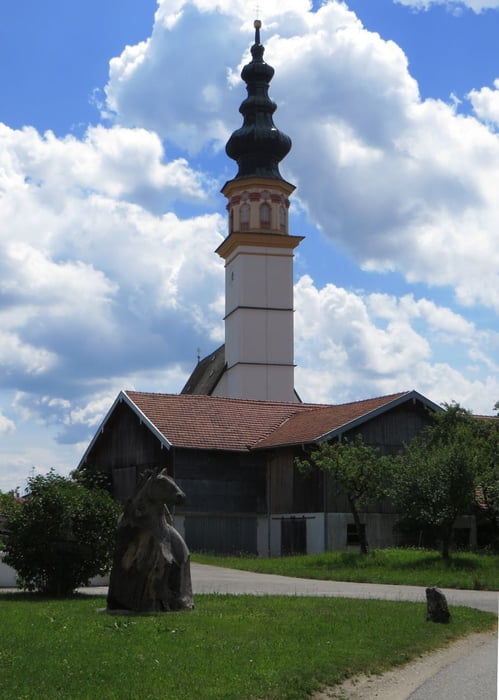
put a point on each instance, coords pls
(127, 444)
(290, 490)
(387, 432)
(221, 534)
(221, 482)
(391, 430)
(281, 481)
(225, 491)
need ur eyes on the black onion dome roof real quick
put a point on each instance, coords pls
(258, 146)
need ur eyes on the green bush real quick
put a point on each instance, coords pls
(61, 535)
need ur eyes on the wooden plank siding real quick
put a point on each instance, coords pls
(221, 482)
(126, 442)
(221, 534)
(388, 433)
(391, 430)
(290, 490)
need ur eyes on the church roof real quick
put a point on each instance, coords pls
(206, 374)
(240, 425)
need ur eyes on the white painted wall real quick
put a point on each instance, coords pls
(8, 577)
(379, 528)
(315, 533)
(380, 531)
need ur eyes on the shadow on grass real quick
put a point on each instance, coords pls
(455, 563)
(37, 597)
(378, 558)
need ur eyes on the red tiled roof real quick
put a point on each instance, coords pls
(309, 426)
(212, 423)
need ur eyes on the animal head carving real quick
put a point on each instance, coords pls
(161, 488)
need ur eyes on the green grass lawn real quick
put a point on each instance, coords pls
(229, 647)
(414, 567)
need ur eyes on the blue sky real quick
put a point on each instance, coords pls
(113, 120)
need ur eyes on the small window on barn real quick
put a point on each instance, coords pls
(265, 215)
(352, 535)
(244, 216)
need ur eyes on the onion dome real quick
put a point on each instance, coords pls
(258, 146)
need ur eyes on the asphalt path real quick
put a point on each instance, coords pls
(471, 677)
(466, 672)
(214, 579)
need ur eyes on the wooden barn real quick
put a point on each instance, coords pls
(234, 458)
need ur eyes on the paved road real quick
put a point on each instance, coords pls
(214, 579)
(472, 676)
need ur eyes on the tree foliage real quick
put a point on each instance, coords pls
(359, 472)
(93, 479)
(9, 503)
(488, 475)
(61, 535)
(435, 478)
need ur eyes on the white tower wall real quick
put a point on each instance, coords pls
(258, 257)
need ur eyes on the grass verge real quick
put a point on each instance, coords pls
(412, 567)
(229, 647)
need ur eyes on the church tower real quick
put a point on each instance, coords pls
(258, 251)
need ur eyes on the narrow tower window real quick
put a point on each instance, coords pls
(244, 216)
(265, 215)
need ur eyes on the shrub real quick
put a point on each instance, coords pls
(61, 535)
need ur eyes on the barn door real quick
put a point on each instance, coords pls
(293, 536)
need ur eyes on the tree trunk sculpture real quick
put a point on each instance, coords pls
(151, 568)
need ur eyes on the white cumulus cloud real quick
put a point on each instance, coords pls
(6, 425)
(453, 5)
(350, 345)
(402, 183)
(486, 103)
(98, 276)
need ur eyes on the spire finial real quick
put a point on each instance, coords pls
(258, 146)
(257, 24)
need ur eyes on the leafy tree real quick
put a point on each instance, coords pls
(93, 479)
(435, 478)
(61, 535)
(487, 446)
(9, 502)
(358, 470)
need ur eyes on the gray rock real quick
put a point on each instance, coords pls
(436, 606)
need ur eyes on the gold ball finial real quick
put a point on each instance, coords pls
(257, 24)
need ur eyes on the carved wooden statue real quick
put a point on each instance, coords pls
(151, 568)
